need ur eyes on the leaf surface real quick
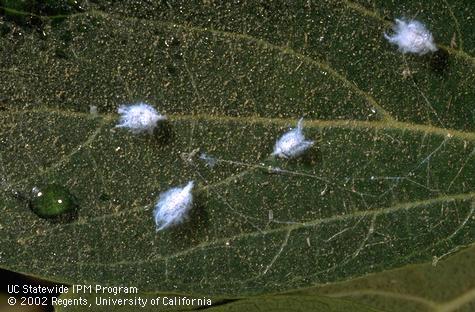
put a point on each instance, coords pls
(389, 180)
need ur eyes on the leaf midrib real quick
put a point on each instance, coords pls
(349, 124)
(308, 123)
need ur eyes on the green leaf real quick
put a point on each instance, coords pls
(388, 183)
(293, 303)
(442, 286)
(276, 303)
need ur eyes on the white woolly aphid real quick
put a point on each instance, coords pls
(172, 206)
(139, 117)
(292, 143)
(412, 37)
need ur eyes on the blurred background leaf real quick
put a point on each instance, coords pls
(296, 303)
(442, 286)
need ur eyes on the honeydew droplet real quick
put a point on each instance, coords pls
(53, 201)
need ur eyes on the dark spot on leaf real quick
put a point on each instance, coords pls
(4, 28)
(173, 42)
(104, 197)
(20, 196)
(440, 61)
(3, 102)
(178, 56)
(163, 133)
(66, 36)
(198, 215)
(60, 53)
(311, 157)
(171, 70)
(173, 45)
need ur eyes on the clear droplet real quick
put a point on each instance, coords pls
(53, 201)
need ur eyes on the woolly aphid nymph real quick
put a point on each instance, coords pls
(173, 206)
(412, 37)
(292, 143)
(210, 161)
(139, 117)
